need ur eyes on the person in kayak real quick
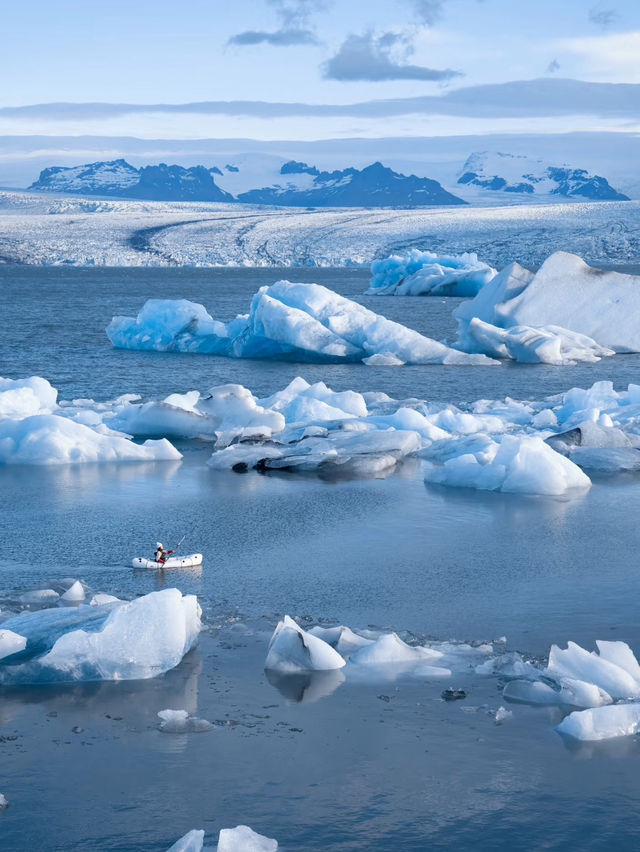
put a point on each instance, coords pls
(161, 554)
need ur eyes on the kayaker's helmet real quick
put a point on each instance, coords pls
(159, 545)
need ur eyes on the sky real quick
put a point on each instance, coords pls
(318, 69)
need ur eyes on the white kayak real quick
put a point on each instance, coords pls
(172, 562)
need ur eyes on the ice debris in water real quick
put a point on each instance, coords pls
(244, 839)
(424, 273)
(32, 431)
(564, 292)
(75, 593)
(238, 839)
(291, 321)
(100, 599)
(292, 649)
(180, 722)
(4, 804)
(502, 714)
(127, 641)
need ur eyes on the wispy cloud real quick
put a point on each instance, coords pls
(553, 66)
(545, 97)
(380, 57)
(295, 25)
(602, 16)
(428, 12)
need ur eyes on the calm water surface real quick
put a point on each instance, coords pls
(370, 767)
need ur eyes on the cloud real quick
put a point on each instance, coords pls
(613, 53)
(602, 17)
(295, 25)
(279, 38)
(545, 97)
(371, 57)
(553, 66)
(428, 11)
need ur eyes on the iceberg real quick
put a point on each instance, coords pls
(11, 643)
(602, 723)
(192, 841)
(389, 649)
(300, 322)
(20, 398)
(292, 649)
(244, 839)
(424, 273)
(180, 722)
(128, 641)
(516, 464)
(564, 292)
(614, 669)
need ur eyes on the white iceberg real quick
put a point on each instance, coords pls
(614, 670)
(304, 322)
(292, 649)
(546, 345)
(389, 649)
(602, 723)
(129, 641)
(11, 643)
(20, 398)
(75, 593)
(244, 839)
(424, 273)
(192, 841)
(564, 292)
(180, 722)
(524, 465)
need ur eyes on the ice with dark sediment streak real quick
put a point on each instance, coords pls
(292, 649)
(117, 641)
(290, 321)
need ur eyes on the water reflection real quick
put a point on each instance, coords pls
(305, 687)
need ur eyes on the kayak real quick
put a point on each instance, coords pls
(172, 562)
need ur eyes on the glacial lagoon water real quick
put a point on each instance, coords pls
(372, 766)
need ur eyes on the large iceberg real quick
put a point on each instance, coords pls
(300, 322)
(602, 723)
(564, 292)
(122, 641)
(424, 273)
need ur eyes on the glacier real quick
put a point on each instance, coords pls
(425, 273)
(291, 321)
(131, 640)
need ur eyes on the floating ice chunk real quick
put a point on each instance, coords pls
(193, 841)
(21, 398)
(389, 649)
(579, 693)
(101, 599)
(424, 273)
(135, 640)
(602, 723)
(75, 593)
(4, 804)
(292, 649)
(11, 643)
(530, 692)
(567, 292)
(298, 402)
(508, 665)
(620, 654)
(180, 722)
(305, 322)
(502, 714)
(575, 662)
(51, 439)
(383, 359)
(342, 638)
(548, 344)
(244, 839)
(39, 596)
(517, 464)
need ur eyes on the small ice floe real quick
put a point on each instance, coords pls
(502, 714)
(192, 841)
(74, 594)
(424, 273)
(523, 464)
(101, 599)
(180, 722)
(238, 839)
(342, 638)
(614, 669)
(244, 839)
(292, 649)
(39, 596)
(602, 723)
(11, 643)
(389, 649)
(135, 640)
(4, 804)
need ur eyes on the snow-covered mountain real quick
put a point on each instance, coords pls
(294, 184)
(522, 175)
(120, 179)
